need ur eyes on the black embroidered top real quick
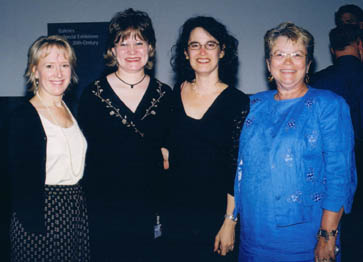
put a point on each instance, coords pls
(124, 161)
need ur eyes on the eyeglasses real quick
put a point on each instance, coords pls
(210, 45)
(295, 56)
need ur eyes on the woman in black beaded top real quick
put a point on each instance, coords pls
(124, 117)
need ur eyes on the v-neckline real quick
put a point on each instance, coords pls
(122, 102)
(208, 109)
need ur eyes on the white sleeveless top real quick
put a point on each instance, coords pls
(66, 152)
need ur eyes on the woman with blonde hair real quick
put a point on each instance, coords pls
(46, 161)
(296, 170)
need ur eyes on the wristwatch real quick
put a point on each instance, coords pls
(326, 234)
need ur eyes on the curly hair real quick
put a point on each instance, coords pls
(227, 66)
(122, 25)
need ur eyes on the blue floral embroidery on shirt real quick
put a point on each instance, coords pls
(291, 124)
(255, 100)
(239, 170)
(324, 180)
(312, 138)
(317, 197)
(309, 102)
(295, 198)
(310, 174)
(289, 157)
(248, 122)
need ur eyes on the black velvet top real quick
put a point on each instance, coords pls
(203, 157)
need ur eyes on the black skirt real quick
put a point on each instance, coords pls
(66, 222)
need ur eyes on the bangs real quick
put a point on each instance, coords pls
(45, 50)
(130, 33)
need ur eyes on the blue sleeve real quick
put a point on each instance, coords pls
(338, 154)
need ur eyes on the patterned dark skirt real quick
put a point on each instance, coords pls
(67, 233)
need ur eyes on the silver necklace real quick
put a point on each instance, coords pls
(131, 85)
(75, 173)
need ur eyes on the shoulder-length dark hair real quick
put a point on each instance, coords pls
(228, 65)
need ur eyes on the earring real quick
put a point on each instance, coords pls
(270, 78)
(36, 88)
(307, 79)
(187, 57)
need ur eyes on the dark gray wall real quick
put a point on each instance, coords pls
(22, 21)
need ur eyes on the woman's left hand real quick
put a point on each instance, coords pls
(224, 240)
(325, 250)
(165, 153)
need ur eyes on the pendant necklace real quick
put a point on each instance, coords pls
(131, 85)
(75, 173)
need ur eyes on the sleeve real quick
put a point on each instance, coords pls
(168, 116)
(26, 166)
(87, 113)
(338, 155)
(161, 179)
(238, 122)
(82, 116)
(89, 124)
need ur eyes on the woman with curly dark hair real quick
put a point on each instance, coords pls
(209, 113)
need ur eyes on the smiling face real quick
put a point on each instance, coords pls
(53, 72)
(288, 72)
(203, 61)
(132, 53)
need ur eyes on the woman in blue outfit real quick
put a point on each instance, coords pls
(296, 173)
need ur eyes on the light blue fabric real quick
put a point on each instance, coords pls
(296, 158)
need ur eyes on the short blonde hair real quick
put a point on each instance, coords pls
(293, 33)
(40, 49)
